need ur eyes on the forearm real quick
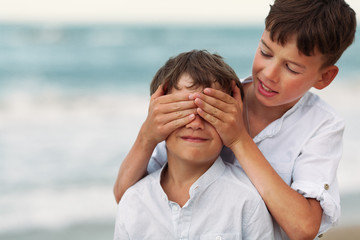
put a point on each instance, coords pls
(299, 217)
(134, 166)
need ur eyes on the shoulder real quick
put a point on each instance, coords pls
(313, 113)
(141, 188)
(237, 188)
(313, 102)
(235, 178)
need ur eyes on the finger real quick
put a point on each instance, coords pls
(219, 95)
(177, 107)
(209, 118)
(173, 125)
(209, 109)
(212, 106)
(174, 97)
(236, 92)
(169, 117)
(159, 92)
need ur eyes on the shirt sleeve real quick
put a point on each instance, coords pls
(315, 170)
(158, 158)
(120, 232)
(259, 224)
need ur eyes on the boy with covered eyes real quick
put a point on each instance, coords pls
(195, 195)
(286, 139)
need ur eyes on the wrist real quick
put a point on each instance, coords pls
(241, 145)
(145, 140)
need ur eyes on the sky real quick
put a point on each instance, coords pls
(139, 11)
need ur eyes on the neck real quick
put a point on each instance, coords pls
(259, 116)
(179, 177)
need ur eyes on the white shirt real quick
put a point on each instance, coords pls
(223, 204)
(304, 147)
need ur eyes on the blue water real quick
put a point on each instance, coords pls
(72, 98)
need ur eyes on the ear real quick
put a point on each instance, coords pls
(327, 76)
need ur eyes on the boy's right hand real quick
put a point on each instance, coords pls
(166, 113)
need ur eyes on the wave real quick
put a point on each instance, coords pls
(60, 151)
(59, 140)
(56, 208)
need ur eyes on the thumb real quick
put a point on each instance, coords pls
(237, 91)
(159, 92)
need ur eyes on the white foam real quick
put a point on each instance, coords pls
(60, 153)
(56, 208)
(50, 138)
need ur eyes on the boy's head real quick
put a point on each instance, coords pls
(197, 142)
(203, 67)
(327, 26)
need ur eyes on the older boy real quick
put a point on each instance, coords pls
(293, 145)
(195, 195)
(293, 142)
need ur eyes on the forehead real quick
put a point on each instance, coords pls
(291, 52)
(186, 84)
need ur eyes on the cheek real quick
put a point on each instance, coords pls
(170, 141)
(256, 62)
(297, 85)
(217, 142)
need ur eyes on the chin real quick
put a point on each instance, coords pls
(197, 157)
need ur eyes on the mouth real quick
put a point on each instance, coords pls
(194, 139)
(265, 90)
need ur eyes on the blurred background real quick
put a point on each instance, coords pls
(74, 80)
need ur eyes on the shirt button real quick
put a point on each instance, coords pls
(218, 238)
(326, 186)
(175, 208)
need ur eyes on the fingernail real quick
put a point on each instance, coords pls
(198, 101)
(207, 90)
(194, 96)
(191, 116)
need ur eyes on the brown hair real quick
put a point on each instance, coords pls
(203, 67)
(325, 25)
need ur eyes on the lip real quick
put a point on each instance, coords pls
(265, 90)
(194, 139)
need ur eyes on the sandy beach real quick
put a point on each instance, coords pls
(342, 233)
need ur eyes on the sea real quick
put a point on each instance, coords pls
(73, 97)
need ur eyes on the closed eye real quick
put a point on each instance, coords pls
(292, 71)
(264, 54)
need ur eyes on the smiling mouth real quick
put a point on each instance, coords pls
(266, 88)
(193, 139)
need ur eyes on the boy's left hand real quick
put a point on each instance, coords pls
(222, 111)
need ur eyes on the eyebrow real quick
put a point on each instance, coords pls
(292, 62)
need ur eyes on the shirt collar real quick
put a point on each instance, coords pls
(274, 127)
(210, 176)
(205, 180)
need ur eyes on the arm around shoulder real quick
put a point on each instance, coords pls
(133, 167)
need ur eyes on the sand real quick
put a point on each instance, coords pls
(342, 233)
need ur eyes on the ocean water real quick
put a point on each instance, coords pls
(72, 98)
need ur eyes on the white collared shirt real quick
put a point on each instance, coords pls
(304, 147)
(223, 204)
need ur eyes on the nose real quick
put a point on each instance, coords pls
(271, 71)
(196, 124)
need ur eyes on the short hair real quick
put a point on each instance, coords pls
(325, 25)
(203, 67)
